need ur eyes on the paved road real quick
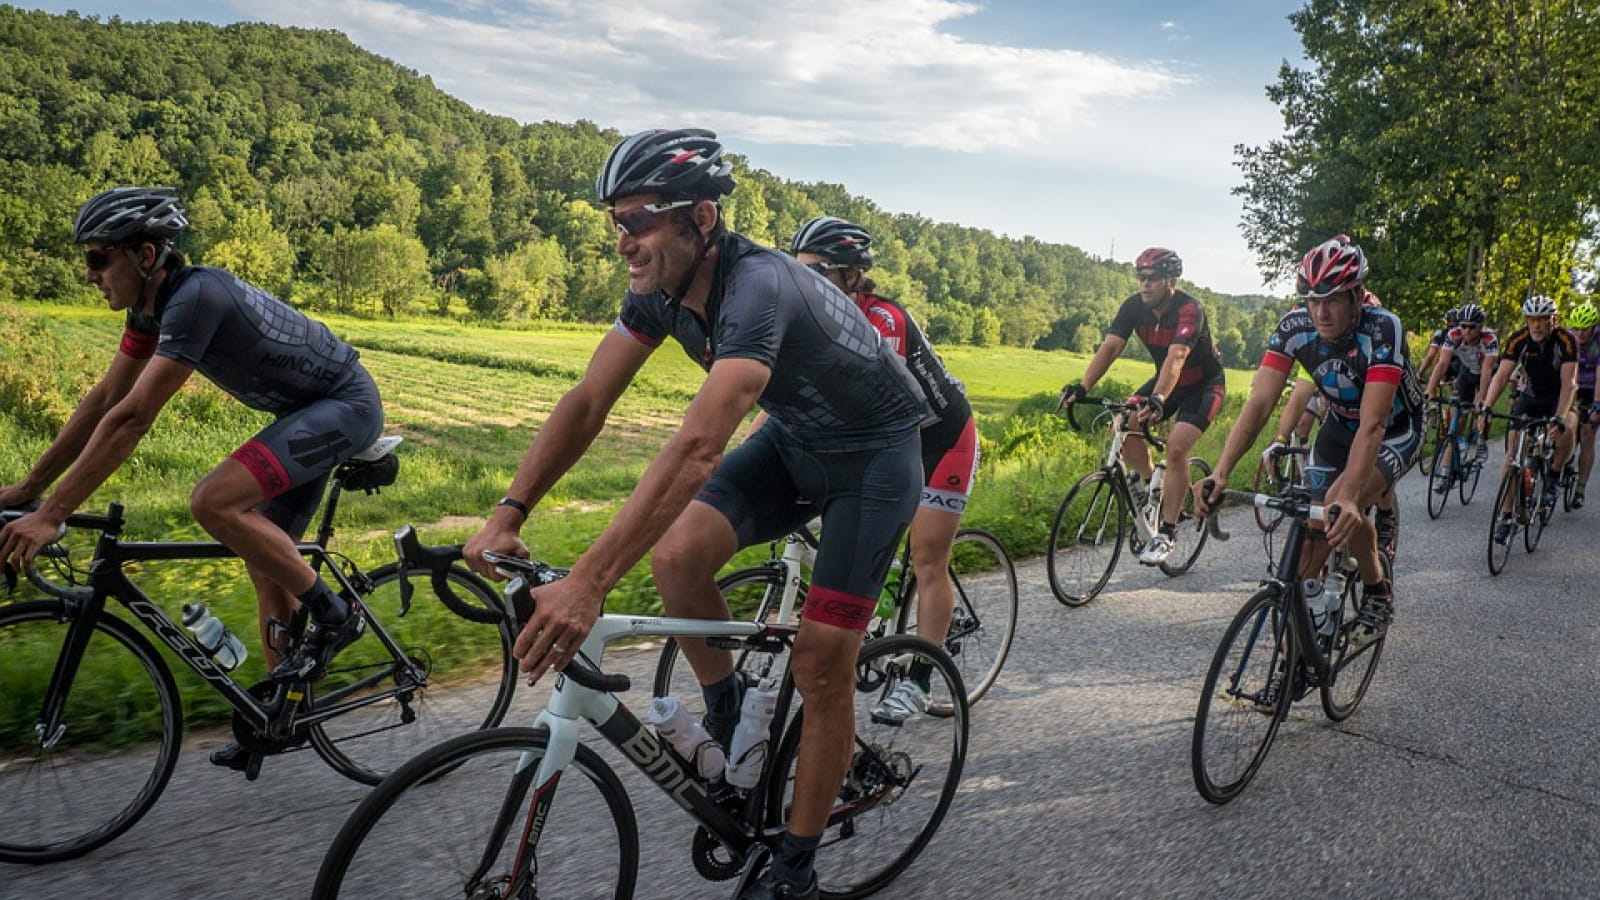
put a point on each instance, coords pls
(1468, 772)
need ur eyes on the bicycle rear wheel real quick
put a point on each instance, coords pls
(756, 590)
(1439, 476)
(1469, 479)
(1086, 539)
(985, 617)
(1246, 695)
(121, 730)
(1352, 661)
(901, 777)
(1504, 498)
(1539, 512)
(467, 673)
(421, 835)
(1190, 538)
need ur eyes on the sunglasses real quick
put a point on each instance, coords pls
(642, 220)
(823, 268)
(97, 260)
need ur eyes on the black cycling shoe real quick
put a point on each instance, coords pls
(231, 756)
(769, 888)
(309, 658)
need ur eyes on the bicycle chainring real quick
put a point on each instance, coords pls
(712, 860)
(245, 733)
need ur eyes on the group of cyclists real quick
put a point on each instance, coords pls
(860, 424)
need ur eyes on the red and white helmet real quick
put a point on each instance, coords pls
(1332, 266)
(1158, 261)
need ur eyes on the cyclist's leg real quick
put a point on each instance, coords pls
(1134, 450)
(1196, 409)
(950, 459)
(1565, 441)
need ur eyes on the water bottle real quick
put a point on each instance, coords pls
(890, 595)
(747, 754)
(1336, 586)
(1316, 604)
(687, 736)
(222, 645)
(1157, 477)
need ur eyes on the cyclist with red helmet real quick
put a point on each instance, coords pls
(1188, 384)
(841, 252)
(1357, 357)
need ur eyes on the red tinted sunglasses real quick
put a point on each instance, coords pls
(644, 219)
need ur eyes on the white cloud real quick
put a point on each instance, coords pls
(768, 70)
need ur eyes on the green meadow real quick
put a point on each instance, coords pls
(468, 399)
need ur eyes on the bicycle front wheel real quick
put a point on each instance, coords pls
(1469, 480)
(120, 732)
(1245, 697)
(1432, 436)
(421, 835)
(901, 779)
(455, 674)
(1439, 474)
(1190, 538)
(1504, 499)
(984, 622)
(1086, 539)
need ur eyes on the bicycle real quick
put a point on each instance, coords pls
(1273, 654)
(1433, 432)
(981, 629)
(94, 721)
(1276, 473)
(1522, 488)
(1087, 535)
(509, 837)
(1464, 466)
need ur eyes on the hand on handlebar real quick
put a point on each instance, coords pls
(1272, 451)
(1071, 394)
(22, 539)
(1208, 494)
(495, 539)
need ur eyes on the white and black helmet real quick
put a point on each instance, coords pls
(1471, 314)
(124, 212)
(685, 162)
(1538, 305)
(835, 240)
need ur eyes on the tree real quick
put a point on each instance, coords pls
(255, 251)
(375, 270)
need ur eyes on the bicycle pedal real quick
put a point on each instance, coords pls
(252, 769)
(885, 720)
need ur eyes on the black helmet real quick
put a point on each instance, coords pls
(1470, 314)
(686, 162)
(835, 240)
(124, 212)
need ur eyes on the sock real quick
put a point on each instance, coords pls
(1379, 591)
(795, 857)
(1170, 529)
(722, 707)
(325, 607)
(921, 672)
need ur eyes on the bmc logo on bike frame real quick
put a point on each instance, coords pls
(647, 752)
(173, 637)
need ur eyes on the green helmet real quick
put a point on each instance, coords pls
(1584, 315)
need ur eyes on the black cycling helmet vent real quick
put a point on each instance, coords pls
(121, 213)
(686, 162)
(835, 240)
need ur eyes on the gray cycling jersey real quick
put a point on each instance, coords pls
(836, 385)
(264, 352)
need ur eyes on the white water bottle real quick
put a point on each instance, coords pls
(1157, 476)
(222, 645)
(747, 754)
(1336, 586)
(687, 736)
(1316, 605)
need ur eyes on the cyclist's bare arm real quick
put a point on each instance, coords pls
(74, 436)
(1446, 353)
(1265, 389)
(116, 436)
(1295, 407)
(564, 438)
(1501, 376)
(1569, 388)
(1354, 494)
(1171, 368)
(1100, 363)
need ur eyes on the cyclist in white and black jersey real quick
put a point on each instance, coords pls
(845, 416)
(1474, 350)
(1436, 341)
(183, 319)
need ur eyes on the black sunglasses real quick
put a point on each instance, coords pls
(97, 260)
(642, 220)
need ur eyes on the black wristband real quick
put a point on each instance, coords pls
(515, 504)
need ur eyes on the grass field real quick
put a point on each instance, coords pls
(468, 400)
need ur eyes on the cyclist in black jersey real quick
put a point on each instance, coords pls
(1356, 355)
(1548, 356)
(182, 319)
(1189, 381)
(843, 433)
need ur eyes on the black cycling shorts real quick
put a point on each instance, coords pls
(1467, 386)
(1531, 406)
(767, 487)
(292, 458)
(1197, 404)
(1331, 449)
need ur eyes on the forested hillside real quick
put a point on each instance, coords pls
(346, 183)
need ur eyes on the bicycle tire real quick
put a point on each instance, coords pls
(1352, 662)
(1070, 561)
(1505, 495)
(1469, 481)
(913, 768)
(1237, 700)
(416, 829)
(1540, 515)
(1438, 486)
(984, 622)
(118, 701)
(1432, 426)
(1190, 537)
(370, 740)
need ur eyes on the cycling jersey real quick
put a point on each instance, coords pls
(1440, 336)
(1182, 324)
(264, 352)
(1588, 358)
(836, 386)
(1374, 350)
(1542, 361)
(1472, 355)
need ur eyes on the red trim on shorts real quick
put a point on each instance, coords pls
(1218, 394)
(1384, 374)
(954, 472)
(264, 466)
(138, 345)
(839, 609)
(1272, 359)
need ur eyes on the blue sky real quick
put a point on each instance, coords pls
(1107, 125)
